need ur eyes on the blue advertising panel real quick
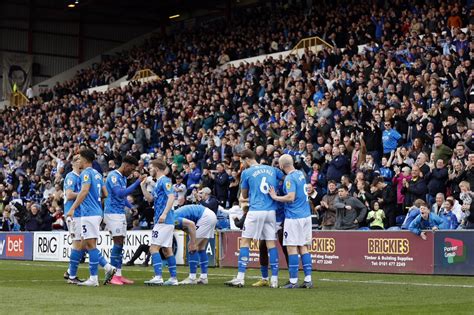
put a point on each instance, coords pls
(16, 246)
(454, 253)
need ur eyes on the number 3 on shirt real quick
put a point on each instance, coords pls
(264, 187)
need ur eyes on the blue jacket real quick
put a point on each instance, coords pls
(192, 179)
(450, 221)
(390, 140)
(378, 27)
(409, 218)
(421, 224)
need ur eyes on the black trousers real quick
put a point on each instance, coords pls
(142, 249)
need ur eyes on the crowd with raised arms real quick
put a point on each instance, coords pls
(391, 124)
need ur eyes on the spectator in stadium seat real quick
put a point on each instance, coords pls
(425, 221)
(327, 209)
(438, 205)
(338, 165)
(192, 175)
(437, 180)
(386, 196)
(390, 138)
(207, 200)
(468, 223)
(376, 216)
(415, 188)
(450, 221)
(221, 184)
(441, 151)
(350, 211)
(398, 181)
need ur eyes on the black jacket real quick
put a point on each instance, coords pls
(416, 190)
(211, 203)
(437, 181)
(221, 184)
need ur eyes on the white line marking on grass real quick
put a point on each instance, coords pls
(220, 275)
(398, 283)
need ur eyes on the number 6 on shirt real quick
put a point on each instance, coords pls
(264, 187)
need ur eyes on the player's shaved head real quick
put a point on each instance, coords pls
(285, 161)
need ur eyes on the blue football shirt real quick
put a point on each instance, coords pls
(115, 204)
(72, 182)
(299, 208)
(189, 212)
(162, 190)
(92, 206)
(257, 180)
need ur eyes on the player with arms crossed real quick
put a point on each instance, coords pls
(260, 222)
(89, 199)
(200, 223)
(162, 234)
(114, 212)
(72, 186)
(297, 229)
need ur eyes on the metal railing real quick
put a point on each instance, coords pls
(18, 99)
(141, 74)
(312, 43)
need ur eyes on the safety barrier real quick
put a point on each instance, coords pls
(16, 246)
(444, 252)
(18, 99)
(141, 74)
(315, 43)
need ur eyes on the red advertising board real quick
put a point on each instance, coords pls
(385, 252)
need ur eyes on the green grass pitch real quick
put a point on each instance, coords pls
(38, 287)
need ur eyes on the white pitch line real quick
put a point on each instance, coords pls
(398, 283)
(257, 277)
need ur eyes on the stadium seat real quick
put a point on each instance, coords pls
(399, 220)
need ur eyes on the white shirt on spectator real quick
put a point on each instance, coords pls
(29, 93)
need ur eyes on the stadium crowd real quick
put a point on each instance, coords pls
(391, 124)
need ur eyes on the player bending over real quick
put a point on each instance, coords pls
(162, 234)
(200, 223)
(297, 230)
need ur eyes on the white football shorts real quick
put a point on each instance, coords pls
(75, 229)
(162, 235)
(90, 227)
(260, 225)
(297, 232)
(206, 225)
(116, 224)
